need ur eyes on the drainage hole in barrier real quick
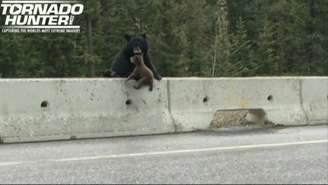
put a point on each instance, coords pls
(128, 102)
(205, 99)
(44, 104)
(270, 98)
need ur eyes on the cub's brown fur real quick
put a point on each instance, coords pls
(142, 71)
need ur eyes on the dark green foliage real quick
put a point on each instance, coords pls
(263, 38)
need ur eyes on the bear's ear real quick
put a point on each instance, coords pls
(144, 35)
(127, 37)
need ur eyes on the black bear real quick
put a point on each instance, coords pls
(141, 71)
(122, 67)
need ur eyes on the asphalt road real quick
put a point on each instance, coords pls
(290, 155)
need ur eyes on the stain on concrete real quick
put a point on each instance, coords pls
(241, 118)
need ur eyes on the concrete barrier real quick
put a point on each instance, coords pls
(194, 101)
(50, 109)
(315, 99)
(56, 109)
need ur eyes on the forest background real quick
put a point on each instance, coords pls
(205, 38)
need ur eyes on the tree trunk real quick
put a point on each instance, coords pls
(90, 47)
(215, 52)
(310, 32)
(221, 31)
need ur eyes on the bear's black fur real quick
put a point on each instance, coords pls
(122, 67)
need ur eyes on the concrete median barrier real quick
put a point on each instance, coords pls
(195, 101)
(57, 109)
(50, 109)
(315, 99)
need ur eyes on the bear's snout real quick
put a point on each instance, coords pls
(137, 51)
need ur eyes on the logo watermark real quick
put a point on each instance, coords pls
(40, 16)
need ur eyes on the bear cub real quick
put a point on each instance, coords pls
(122, 66)
(141, 71)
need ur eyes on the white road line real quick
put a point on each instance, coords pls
(113, 156)
(14, 163)
(184, 151)
(190, 151)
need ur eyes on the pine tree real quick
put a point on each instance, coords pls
(240, 63)
(221, 41)
(267, 58)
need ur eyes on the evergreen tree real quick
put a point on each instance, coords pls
(267, 56)
(240, 58)
(187, 38)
